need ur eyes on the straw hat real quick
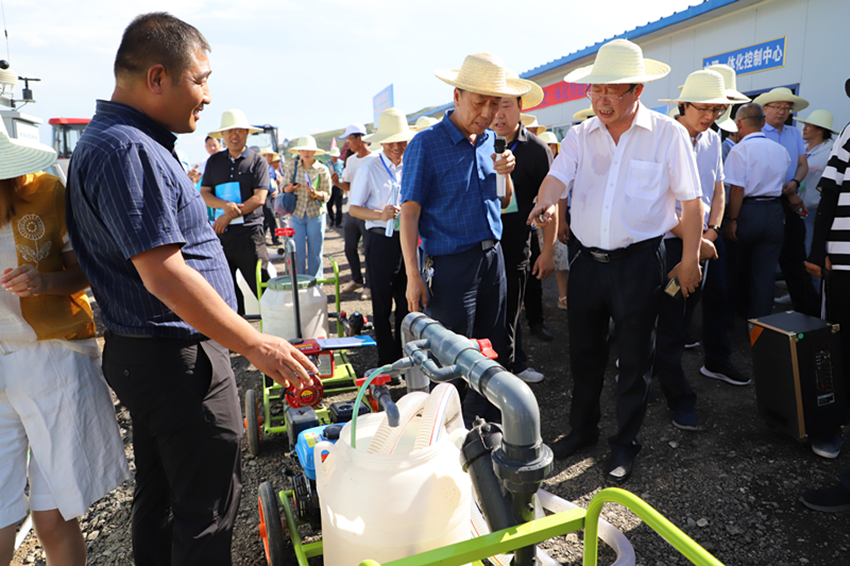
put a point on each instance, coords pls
(22, 157)
(423, 123)
(231, 120)
(584, 114)
(549, 137)
(726, 122)
(619, 62)
(392, 128)
(821, 119)
(704, 87)
(730, 80)
(334, 152)
(530, 123)
(782, 94)
(269, 151)
(533, 97)
(485, 74)
(306, 143)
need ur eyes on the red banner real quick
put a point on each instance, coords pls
(559, 93)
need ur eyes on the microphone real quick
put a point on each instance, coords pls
(501, 145)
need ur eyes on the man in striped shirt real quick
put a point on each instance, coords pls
(830, 259)
(139, 228)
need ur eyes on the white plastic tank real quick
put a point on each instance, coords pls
(278, 309)
(390, 506)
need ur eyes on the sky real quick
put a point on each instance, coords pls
(305, 66)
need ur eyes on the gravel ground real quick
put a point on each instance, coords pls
(734, 488)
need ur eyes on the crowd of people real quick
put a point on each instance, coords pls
(648, 214)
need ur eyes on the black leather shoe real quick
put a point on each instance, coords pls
(542, 332)
(570, 444)
(619, 468)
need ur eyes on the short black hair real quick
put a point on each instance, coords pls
(158, 38)
(208, 138)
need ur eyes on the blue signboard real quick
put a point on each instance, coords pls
(752, 59)
(381, 102)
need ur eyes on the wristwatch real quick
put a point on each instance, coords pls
(714, 227)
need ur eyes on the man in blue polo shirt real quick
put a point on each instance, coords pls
(778, 105)
(139, 228)
(449, 199)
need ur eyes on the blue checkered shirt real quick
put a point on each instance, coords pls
(127, 194)
(455, 184)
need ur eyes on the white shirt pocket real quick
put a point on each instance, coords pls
(644, 180)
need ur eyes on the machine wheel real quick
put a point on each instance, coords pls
(253, 424)
(271, 527)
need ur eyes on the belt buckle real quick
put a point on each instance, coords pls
(601, 257)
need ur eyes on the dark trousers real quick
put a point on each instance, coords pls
(243, 247)
(838, 311)
(629, 291)
(534, 289)
(187, 427)
(335, 207)
(388, 284)
(673, 322)
(804, 297)
(752, 259)
(716, 310)
(517, 271)
(269, 220)
(354, 229)
(468, 297)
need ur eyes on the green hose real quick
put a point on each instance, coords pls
(375, 373)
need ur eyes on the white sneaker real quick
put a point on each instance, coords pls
(528, 375)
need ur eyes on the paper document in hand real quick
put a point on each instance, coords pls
(231, 193)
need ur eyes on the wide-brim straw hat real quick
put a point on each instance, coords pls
(584, 114)
(782, 94)
(423, 123)
(269, 151)
(334, 152)
(822, 119)
(485, 74)
(726, 122)
(531, 124)
(549, 137)
(703, 87)
(392, 128)
(619, 62)
(730, 80)
(306, 143)
(22, 157)
(231, 120)
(533, 97)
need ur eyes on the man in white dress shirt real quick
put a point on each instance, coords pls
(755, 222)
(375, 198)
(627, 168)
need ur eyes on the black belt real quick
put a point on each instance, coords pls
(761, 199)
(200, 338)
(382, 232)
(607, 256)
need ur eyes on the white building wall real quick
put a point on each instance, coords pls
(817, 56)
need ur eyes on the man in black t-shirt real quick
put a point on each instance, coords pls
(236, 183)
(533, 158)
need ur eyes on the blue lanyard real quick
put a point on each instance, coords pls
(393, 180)
(513, 147)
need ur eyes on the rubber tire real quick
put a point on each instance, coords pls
(274, 542)
(252, 423)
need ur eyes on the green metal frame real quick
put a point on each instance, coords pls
(344, 375)
(533, 532)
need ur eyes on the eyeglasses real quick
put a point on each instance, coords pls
(780, 108)
(713, 110)
(606, 98)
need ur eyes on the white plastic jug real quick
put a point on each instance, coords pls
(390, 506)
(278, 309)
